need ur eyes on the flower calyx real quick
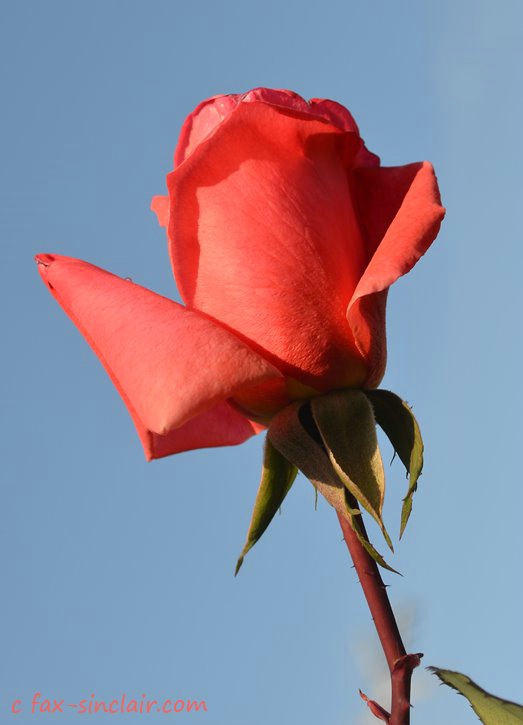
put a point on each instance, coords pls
(332, 440)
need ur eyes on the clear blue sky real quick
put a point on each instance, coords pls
(117, 574)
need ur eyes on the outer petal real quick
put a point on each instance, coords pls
(264, 239)
(169, 364)
(400, 212)
(160, 206)
(221, 425)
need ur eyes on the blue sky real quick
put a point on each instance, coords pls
(118, 574)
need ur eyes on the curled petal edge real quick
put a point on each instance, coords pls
(149, 346)
(401, 213)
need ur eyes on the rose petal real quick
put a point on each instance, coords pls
(201, 122)
(281, 98)
(400, 213)
(263, 238)
(221, 425)
(160, 206)
(168, 363)
(341, 117)
(335, 113)
(207, 116)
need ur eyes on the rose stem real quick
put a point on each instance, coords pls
(385, 623)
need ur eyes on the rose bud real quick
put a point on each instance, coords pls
(284, 235)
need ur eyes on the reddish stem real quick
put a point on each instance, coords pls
(400, 664)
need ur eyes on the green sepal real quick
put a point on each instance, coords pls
(276, 480)
(490, 709)
(397, 420)
(294, 433)
(355, 516)
(345, 421)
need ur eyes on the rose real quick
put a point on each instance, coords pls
(284, 235)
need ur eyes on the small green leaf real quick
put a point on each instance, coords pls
(491, 710)
(294, 433)
(397, 420)
(276, 480)
(345, 420)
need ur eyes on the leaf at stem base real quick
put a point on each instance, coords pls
(490, 709)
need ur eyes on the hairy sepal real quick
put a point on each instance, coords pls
(345, 421)
(294, 434)
(276, 480)
(397, 420)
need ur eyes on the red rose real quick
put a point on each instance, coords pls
(285, 235)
